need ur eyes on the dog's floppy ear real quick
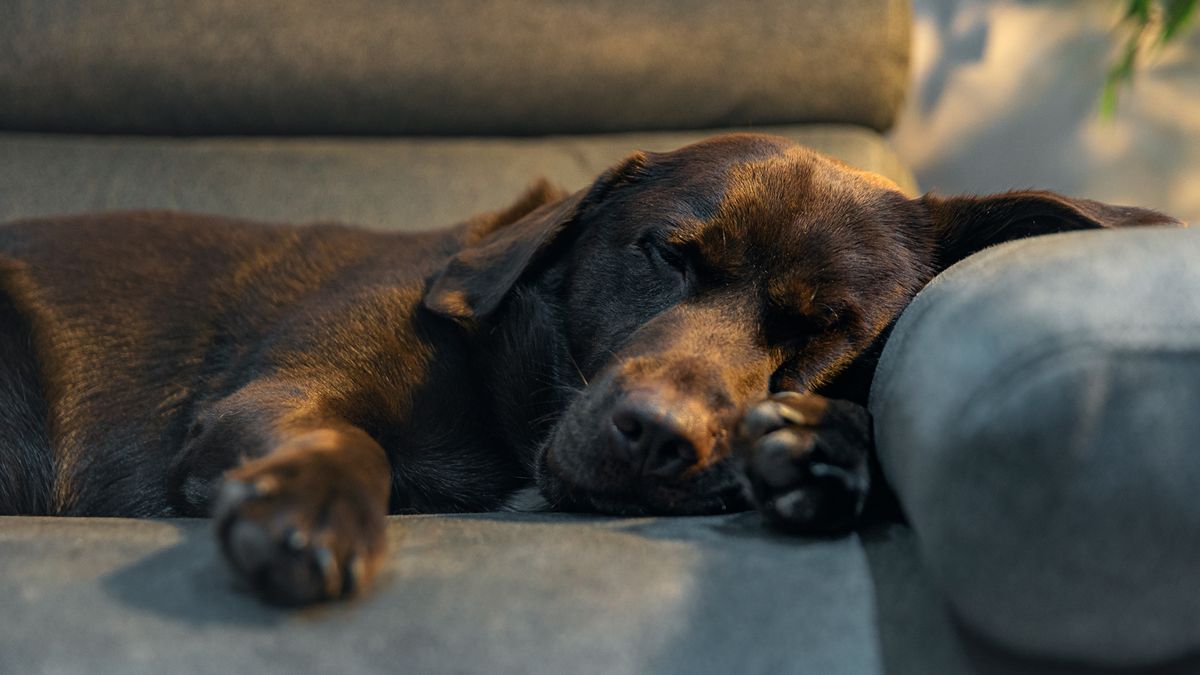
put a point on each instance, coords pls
(964, 225)
(476, 280)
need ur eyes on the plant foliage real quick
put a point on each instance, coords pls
(1151, 24)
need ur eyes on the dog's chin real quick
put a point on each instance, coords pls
(722, 492)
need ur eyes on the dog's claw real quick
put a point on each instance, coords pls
(327, 565)
(265, 486)
(793, 415)
(762, 419)
(295, 539)
(795, 506)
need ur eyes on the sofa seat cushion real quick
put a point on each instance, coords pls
(395, 183)
(1037, 410)
(515, 593)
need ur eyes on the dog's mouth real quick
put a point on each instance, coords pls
(716, 489)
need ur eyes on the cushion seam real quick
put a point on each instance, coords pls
(1050, 354)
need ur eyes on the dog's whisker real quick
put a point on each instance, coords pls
(577, 369)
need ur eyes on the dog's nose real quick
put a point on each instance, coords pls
(652, 439)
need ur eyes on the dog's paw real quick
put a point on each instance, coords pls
(299, 527)
(805, 461)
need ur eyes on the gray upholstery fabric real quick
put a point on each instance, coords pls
(406, 184)
(497, 594)
(1038, 411)
(447, 67)
(519, 593)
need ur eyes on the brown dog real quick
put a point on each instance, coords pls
(652, 344)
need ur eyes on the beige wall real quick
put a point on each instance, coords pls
(1005, 95)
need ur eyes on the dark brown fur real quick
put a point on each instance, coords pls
(657, 343)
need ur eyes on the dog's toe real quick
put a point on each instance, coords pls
(296, 547)
(803, 475)
(828, 500)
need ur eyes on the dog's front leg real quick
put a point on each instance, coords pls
(300, 513)
(806, 461)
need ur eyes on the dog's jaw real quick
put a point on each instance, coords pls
(723, 490)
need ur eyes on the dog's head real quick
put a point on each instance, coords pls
(690, 284)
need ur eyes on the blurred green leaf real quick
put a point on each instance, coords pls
(1177, 13)
(1118, 74)
(1138, 9)
(1169, 18)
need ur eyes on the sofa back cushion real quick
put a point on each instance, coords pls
(452, 67)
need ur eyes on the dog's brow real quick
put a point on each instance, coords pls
(684, 231)
(712, 246)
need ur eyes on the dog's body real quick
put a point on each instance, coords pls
(616, 346)
(146, 321)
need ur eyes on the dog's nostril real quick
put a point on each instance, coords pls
(627, 441)
(679, 450)
(670, 459)
(627, 422)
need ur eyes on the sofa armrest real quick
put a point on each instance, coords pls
(1037, 411)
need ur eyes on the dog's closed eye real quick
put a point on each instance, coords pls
(667, 260)
(790, 328)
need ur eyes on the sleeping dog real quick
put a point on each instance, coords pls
(692, 333)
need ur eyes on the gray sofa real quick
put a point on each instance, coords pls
(413, 115)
